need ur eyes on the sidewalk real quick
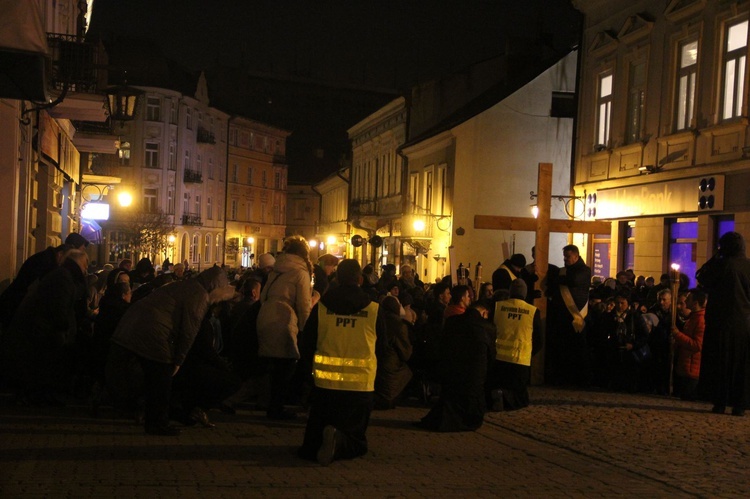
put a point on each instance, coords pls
(567, 444)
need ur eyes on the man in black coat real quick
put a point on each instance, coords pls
(467, 349)
(567, 351)
(725, 360)
(507, 272)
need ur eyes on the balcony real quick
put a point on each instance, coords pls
(205, 137)
(191, 219)
(75, 72)
(193, 177)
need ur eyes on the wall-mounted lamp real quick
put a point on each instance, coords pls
(646, 169)
(567, 201)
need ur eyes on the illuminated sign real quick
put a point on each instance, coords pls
(660, 198)
(95, 211)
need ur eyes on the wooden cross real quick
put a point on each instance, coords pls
(542, 225)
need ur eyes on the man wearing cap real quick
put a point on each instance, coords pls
(508, 272)
(519, 337)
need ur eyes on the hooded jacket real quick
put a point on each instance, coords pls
(286, 300)
(162, 326)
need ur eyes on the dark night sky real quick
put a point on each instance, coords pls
(374, 49)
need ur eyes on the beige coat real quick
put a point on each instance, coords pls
(286, 301)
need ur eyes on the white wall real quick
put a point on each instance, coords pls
(497, 157)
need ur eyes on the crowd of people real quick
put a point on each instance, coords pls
(339, 340)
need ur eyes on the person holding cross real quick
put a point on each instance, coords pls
(567, 352)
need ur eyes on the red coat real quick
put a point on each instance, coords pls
(688, 346)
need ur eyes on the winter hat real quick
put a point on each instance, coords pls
(518, 260)
(76, 240)
(328, 259)
(651, 319)
(518, 289)
(266, 260)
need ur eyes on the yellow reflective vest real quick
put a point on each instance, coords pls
(514, 319)
(345, 357)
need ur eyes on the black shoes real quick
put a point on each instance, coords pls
(199, 416)
(327, 451)
(164, 431)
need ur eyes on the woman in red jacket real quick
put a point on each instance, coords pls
(688, 346)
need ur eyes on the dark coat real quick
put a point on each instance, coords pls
(467, 349)
(162, 326)
(393, 373)
(726, 342)
(34, 268)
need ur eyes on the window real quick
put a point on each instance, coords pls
(735, 56)
(209, 208)
(187, 160)
(207, 248)
(124, 153)
(170, 200)
(194, 249)
(150, 200)
(198, 163)
(219, 248)
(263, 212)
(413, 184)
(235, 172)
(440, 205)
(249, 210)
(153, 108)
(172, 112)
(189, 118)
(233, 137)
(627, 250)
(636, 97)
(185, 203)
(277, 180)
(210, 168)
(686, 77)
(276, 214)
(683, 243)
(197, 204)
(172, 159)
(249, 175)
(152, 155)
(265, 180)
(428, 190)
(233, 209)
(604, 110)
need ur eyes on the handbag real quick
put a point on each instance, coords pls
(642, 354)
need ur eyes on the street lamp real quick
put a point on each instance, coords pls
(122, 101)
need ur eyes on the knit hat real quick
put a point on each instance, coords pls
(518, 260)
(518, 289)
(266, 260)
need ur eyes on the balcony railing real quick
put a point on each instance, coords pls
(191, 219)
(193, 176)
(205, 136)
(74, 63)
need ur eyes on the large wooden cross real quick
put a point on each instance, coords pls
(542, 225)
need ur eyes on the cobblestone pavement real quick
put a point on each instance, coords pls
(567, 444)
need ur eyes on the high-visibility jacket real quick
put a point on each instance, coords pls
(345, 357)
(514, 320)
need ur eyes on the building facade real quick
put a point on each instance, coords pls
(172, 161)
(58, 85)
(256, 202)
(303, 213)
(482, 158)
(334, 231)
(377, 185)
(662, 149)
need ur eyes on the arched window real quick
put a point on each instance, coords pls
(207, 248)
(219, 248)
(184, 247)
(194, 248)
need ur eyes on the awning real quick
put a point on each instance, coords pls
(23, 51)
(91, 230)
